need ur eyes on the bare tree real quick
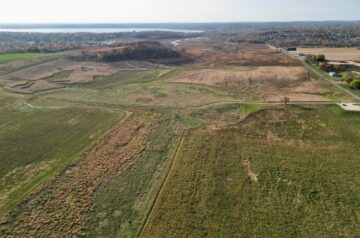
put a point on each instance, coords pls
(285, 100)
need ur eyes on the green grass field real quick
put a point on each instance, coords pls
(4, 58)
(37, 143)
(279, 173)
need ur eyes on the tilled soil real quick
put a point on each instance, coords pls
(62, 206)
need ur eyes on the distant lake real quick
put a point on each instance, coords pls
(92, 30)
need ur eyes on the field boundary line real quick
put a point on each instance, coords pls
(178, 146)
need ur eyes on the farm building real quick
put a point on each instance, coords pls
(291, 49)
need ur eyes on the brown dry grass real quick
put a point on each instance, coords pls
(85, 72)
(34, 79)
(233, 54)
(60, 208)
(82, 71)
(269, 83)
(40, 71)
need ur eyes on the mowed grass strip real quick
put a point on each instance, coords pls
(280, 173)
(4, 58)
(35, 144)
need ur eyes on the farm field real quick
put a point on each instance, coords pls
(230, 139)
(334, 54)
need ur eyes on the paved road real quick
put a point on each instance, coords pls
(332, 82)
(310, 67)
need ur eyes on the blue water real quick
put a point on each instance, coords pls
(92, 30)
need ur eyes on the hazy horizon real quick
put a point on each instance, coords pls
(176, 11)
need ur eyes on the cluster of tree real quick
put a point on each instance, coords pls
(134, 51)
(352, 80)
(348, 77)
(52, 42)
(323, 64)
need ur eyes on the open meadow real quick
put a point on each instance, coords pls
(201, 139)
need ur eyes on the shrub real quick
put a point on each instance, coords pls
(320, 58)
(355, 84)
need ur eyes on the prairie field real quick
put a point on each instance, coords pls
(269, 175)
(229, 140)
(266, 83)
(208, 52)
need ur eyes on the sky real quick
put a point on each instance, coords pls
(156, 11)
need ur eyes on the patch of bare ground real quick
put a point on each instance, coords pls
(269, 83)
(82, 72)
(253, 176)
(34, 79)
(35, 86)
(62, 206)
(85, 72)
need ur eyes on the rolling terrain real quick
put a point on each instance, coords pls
(238, 140)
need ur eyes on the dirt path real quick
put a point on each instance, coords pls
(181, 141)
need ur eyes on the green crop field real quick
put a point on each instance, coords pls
(4, 58)
(279, 173)
(37, 143)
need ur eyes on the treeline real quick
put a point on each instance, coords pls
(331, 37)
(329, 34)
(52, 42)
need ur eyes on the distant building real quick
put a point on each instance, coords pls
(333, 74)
(291, 49)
